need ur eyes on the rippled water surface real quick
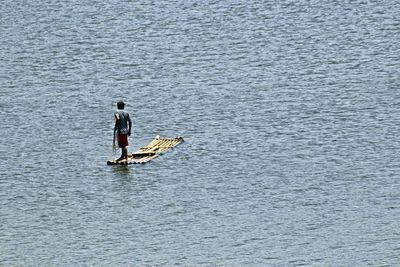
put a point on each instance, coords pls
(290, 111)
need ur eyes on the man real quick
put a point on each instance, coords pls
(122, 128)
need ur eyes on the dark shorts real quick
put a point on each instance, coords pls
(122, 140)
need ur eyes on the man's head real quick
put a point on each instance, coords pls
(120, 105)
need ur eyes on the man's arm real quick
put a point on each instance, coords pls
(116, 116)
(129, 126)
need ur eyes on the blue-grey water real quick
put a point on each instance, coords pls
(290, 111)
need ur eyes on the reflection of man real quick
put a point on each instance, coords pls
(122, 128)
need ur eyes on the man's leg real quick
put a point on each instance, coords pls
(123, 144)
(124, 153)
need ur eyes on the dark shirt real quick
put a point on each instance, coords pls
(121, 123)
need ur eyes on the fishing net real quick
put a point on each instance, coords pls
(114, 147)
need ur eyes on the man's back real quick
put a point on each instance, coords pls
(122, 119)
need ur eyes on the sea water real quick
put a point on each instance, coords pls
(290, 111)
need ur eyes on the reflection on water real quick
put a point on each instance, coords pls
(121, 170)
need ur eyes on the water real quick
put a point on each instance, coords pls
(290, 111)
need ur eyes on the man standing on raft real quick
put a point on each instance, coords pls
(122, 128)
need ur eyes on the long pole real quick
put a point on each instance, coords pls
(113, 148)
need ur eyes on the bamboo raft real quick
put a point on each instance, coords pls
(157, 147)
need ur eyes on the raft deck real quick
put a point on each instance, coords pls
(155, 148)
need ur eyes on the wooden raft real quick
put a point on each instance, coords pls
(155, 148)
